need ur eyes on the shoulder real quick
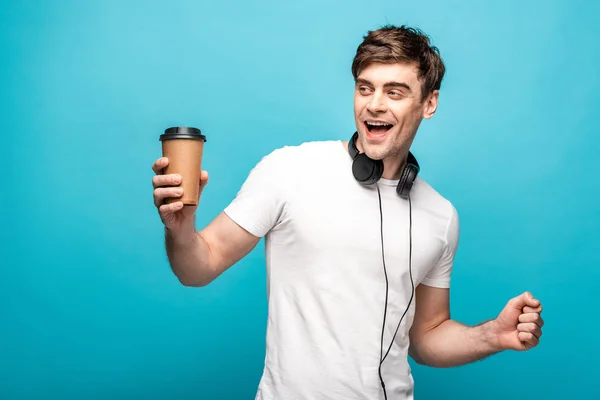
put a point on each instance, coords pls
(437, 206)
(429, 198)
(301, 155)
(284, 165)
(310, 148)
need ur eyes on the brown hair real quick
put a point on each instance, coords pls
(391, 44)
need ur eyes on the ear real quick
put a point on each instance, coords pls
(430, 104)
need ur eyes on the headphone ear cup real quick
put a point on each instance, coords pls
(366, 170)
(406, 181)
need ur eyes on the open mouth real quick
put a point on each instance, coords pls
(378, 127)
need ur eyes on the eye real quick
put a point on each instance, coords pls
(364, 90)
(395, 93)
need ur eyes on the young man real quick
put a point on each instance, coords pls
(359, 252)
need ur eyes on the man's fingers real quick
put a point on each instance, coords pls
(528, 309)
(524, 299)
(532, 317)
(159, 164)
(528, 338)
(162, 193)
(166, 209)
(203, 178)
(166, 180)
(203, 182)
(530, 327)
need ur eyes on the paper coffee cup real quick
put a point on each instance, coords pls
(183, 146)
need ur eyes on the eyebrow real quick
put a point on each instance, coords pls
(361, 81)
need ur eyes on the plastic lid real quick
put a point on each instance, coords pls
(182, 132)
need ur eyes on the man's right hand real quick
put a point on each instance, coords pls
(196, 258)
(174, 216)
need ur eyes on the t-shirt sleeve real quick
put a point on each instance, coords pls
(259, 203)
(439, 275)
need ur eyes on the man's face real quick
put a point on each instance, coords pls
(388, 108)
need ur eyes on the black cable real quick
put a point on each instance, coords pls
(381, 359)
(386, 294)
(412, 292)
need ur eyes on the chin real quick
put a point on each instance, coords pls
(375, 145)
(377, 152)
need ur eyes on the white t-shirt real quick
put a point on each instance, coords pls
(325, 277)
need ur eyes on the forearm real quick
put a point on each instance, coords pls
(189, 256)
(452, 344)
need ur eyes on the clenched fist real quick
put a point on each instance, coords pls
(519, 324)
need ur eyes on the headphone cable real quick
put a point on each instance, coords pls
(412, 292)
(381, 359)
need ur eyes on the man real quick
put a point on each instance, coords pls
(359, 252)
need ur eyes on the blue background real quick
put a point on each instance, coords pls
(89, 306)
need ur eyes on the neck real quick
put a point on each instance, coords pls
(392, 166)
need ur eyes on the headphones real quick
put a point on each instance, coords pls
(368, 172)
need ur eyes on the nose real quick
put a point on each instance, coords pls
(376, 105)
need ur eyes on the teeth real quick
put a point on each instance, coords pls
(376, 123)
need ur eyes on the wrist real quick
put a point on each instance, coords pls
(182, 236)
(491, 336)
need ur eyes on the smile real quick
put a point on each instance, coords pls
(378, 127)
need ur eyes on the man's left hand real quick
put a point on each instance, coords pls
(519, 324)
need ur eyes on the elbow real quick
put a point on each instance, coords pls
(420, 351)
(192, 282)
(428, 360)
(193, 277)
(423, 361)
(414, 354)
(415, 346)
(418, 360)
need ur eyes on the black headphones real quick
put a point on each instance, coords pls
(368, 171)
